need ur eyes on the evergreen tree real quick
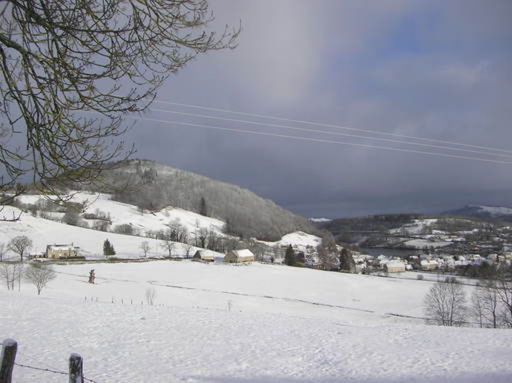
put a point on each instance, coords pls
(203, 209)
(108, 248)
(347, 262)
(289, 256)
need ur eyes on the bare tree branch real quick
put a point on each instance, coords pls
(60, 59)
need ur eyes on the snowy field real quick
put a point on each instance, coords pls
(126, 214)
(43, 232)
(252, 323)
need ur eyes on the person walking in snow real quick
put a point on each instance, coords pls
(92, 276)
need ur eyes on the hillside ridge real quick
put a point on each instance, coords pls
(150, 185)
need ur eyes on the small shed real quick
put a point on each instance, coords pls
(203, 256)
(64, 250)
(395, 267)
(238, 256)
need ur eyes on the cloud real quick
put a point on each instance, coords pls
(434, 69)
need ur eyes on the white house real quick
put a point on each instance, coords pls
(64, 250)
(394, 266)
(429, 265)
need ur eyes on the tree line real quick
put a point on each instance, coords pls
(490, 303)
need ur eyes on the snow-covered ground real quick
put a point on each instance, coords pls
(422, 243)
(299, 240)
(121, 213)
(417, 227)
(43, 232)
(252, 323)
(228, 323)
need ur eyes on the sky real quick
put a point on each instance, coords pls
(435, 69)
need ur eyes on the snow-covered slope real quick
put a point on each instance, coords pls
(120, 213)
(43, 232)
(299, 240)
(495, 211)
(251, 324)
(483, 211)
(418, 226)
(153, 185)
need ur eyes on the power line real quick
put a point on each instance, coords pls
(329, 132)
(333, 126)
(319, 140)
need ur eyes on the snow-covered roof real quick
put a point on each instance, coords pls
(245, 253)
(204, 254)
(61, 247)
(395, 264)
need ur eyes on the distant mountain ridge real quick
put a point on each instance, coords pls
(483, 211)
(151, 185)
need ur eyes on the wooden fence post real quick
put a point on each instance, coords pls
(9, 348)
(75, 369)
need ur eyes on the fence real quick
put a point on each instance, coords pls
(8, 361)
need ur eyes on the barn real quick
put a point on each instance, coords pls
(203, 256)
(238, 256)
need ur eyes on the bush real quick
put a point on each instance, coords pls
(71, 217)
(419, 277)
(72, 258)
(123, 229)
(101, 225)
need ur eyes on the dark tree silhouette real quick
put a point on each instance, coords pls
(70, 70)
(289, 256)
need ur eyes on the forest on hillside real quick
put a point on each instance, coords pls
(153, 186)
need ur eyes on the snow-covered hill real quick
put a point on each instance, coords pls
(142, 221)
(483, 211)
(144, 224)
(252, 324)
(152, 185)
(43, 232)
(299, 241)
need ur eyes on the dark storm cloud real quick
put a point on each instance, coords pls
(434, 69)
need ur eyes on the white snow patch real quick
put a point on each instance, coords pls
(299, 240)
(494, 211)
(219, 323)
(320, 219)
(422, 243)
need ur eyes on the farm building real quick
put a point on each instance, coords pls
(203, 256)
(394, 267)
(58, 251)
(237, 256)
